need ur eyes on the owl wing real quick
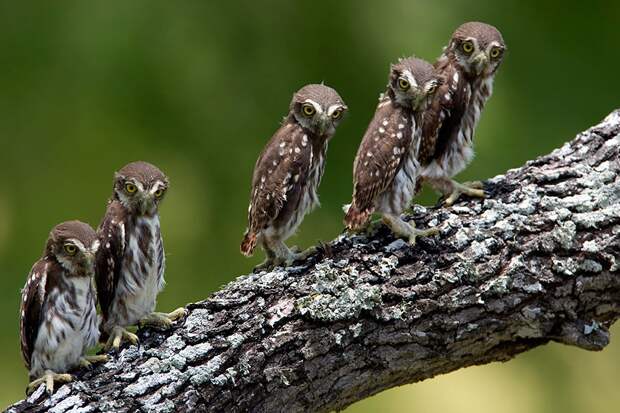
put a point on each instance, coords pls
(111, 234)
(442, 119)
(33, 297)
(280, 172)
(380, 155)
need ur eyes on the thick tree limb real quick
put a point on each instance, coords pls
(537, 261)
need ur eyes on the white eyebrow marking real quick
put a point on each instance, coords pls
(317, 107)
(77, 243)
(333, 108)
(156, 186)
(410, 78)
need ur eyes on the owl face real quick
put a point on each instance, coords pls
(478, 48)
(319, 109)
(413, 82)
(140, 187)
(74, 244)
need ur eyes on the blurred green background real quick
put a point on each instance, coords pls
(198, 87)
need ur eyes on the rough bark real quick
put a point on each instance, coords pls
(537, 261)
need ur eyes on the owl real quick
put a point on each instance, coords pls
(469, 64)
(288, 172)
(130, 262)
(386, 168)
(58, 316)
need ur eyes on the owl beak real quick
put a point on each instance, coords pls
(480, 62)
(90, 257)
(323, 123)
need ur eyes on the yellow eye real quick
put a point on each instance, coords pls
(308, 109)
(403, 84)
(495, 52)
(431, 89)
(468, 47)
(337, 114)
(130, 188)
(70, 249)
(159, 193)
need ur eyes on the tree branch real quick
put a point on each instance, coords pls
(535, 262)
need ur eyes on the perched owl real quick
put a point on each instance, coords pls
(130, 262)
(468, 63)
(288, 172)
(386, 167)
(58, 315)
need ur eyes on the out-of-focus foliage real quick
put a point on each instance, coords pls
(198, 87)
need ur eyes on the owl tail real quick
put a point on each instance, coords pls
(356, 219)
(248, 244)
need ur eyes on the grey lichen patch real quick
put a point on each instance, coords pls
(205, 373)
(590, 266)
(597, 219)
(167, 406)
(497, 286)
(197, 352)
(339, 293)
(564, 266)
(465, 270)
(347, 304)
(235, 340)
(66, 404)
(147, 383)
(564, 234)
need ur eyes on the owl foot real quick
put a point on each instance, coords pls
(473, 189)
(294, 254)
(48, 378)
(88, 361)
(163, 320)
(118, 335)
(407, 230)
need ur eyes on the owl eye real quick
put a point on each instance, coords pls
(468, 46)
(337, 114)
(308, 109)
(431, 89)
(70, 249)
(130, 188)
(159, 193)
(495, 52)
(403, 84)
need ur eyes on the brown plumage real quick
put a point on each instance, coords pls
(386, 167)
(131, 260)
(469, 64)
(288, 172)
(58, 318)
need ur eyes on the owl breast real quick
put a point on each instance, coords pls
(403, 189)
(459, 151)
(141, 273)
(309, 198)
(69, 326)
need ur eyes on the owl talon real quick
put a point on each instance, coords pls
(163, 320)
(407, 230)
(117, 336)
(472, 189)
(48, 378)
(88, 361)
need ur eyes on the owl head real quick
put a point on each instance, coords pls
(318, 108)
(140, 187)
(413, 82)
(74, 245)
(478, 48)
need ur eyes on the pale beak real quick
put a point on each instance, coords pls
(480, 62)
(324, 122)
